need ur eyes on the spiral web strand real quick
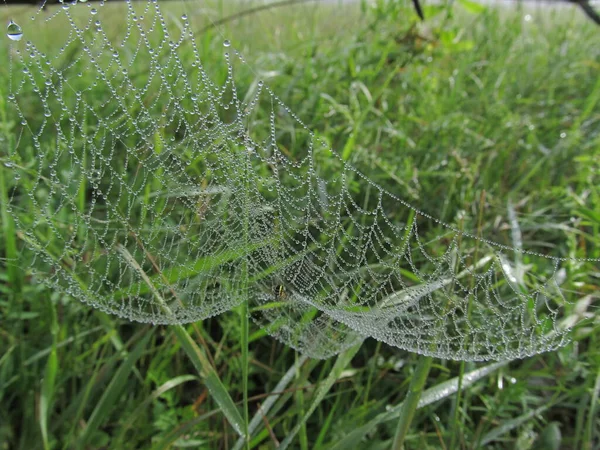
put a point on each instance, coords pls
(161, 193)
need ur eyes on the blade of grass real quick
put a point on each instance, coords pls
(588, 439)
(47, 394)
(200, 265)
(264, 408)
(244, 316)
(299, 399)
(197, 356)
(111, 395)
(8, 229)
(341, 362)
(327, 423)
(8, 224)
(39, 355)
(172, 383)
(511, 425)
(409, 405)
(245, 362)
(48, 385)
(172, 436)
(211, 379)
(431, 395)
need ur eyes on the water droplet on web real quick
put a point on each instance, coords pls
(184, 17)
(14, 31)
(227, 43)
(93, 11)
(8, 164)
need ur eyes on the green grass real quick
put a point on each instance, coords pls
(456, 116)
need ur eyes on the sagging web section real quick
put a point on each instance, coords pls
(152, 187)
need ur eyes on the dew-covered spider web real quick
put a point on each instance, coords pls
(164, 192)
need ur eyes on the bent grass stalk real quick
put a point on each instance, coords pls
(409, 406)
(196, 355)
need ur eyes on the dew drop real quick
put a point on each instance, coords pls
(14, 31)
(184, 17)
(227, 43)
(93, 11)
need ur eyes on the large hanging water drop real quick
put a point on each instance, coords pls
(14, 31)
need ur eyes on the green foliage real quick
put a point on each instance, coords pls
(482, 102)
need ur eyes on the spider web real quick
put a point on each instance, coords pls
(162, 193)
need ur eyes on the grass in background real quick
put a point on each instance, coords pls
(480, 107)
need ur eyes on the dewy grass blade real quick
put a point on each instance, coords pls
(341, 362)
